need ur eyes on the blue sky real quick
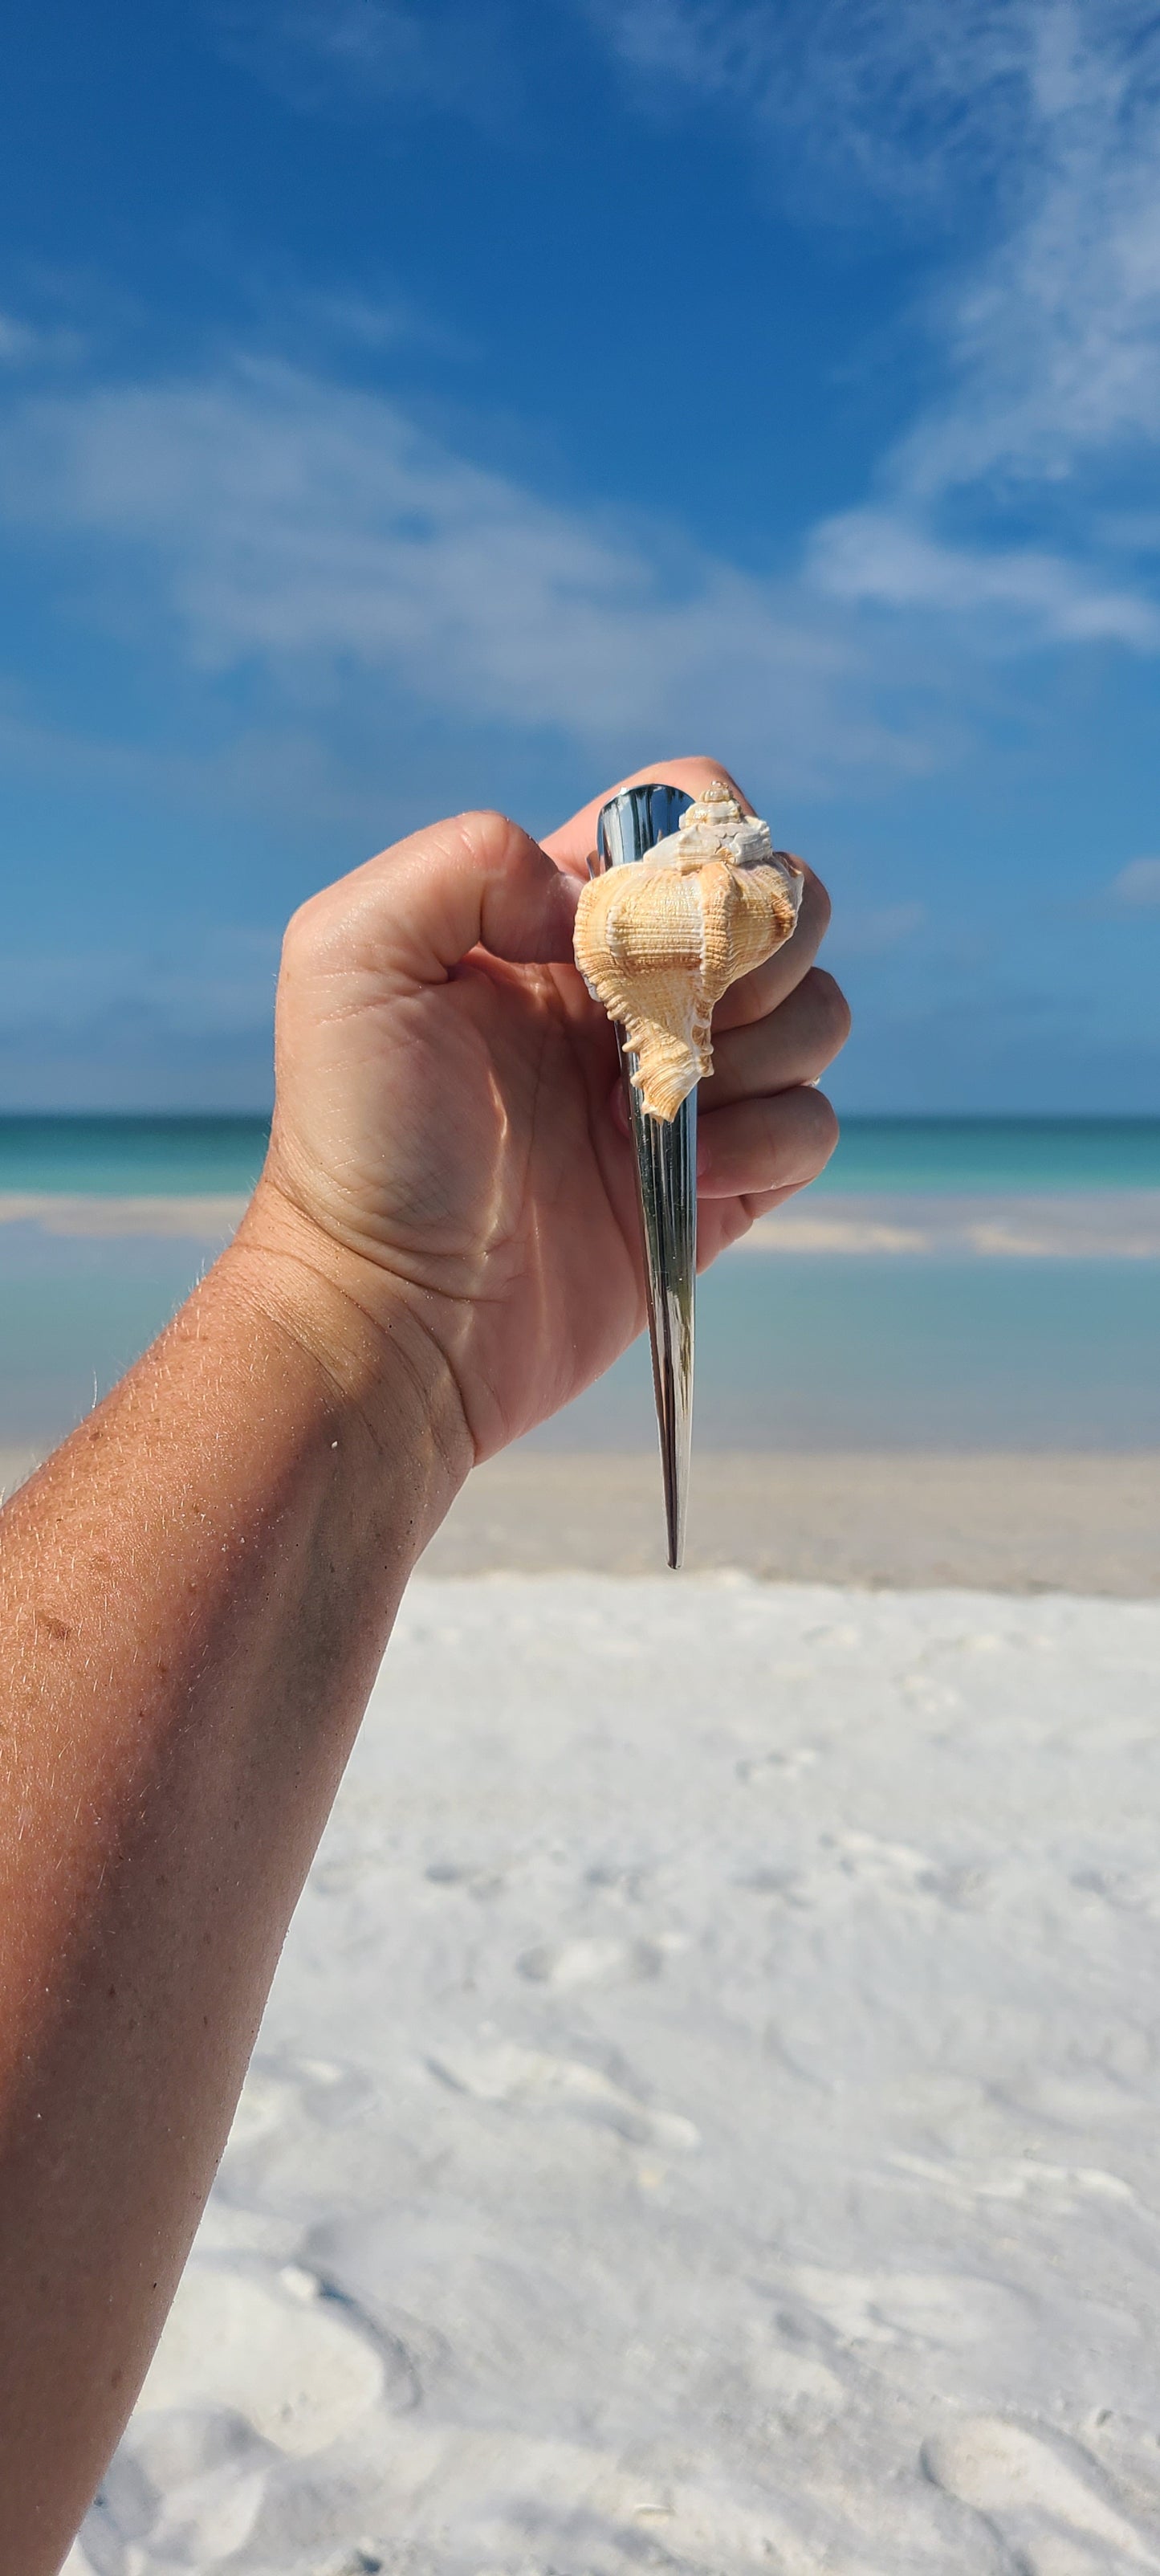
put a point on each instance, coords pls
(404, 408)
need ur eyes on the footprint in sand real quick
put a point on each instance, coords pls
(1026, 2481)
(593, 1962)
(524, 2079)
(943, 2310)
(280, 2091)
(185, 2488)
(271, 2347)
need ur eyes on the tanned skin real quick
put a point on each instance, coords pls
(198, 1587)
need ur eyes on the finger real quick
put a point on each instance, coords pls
(761, 992)
(775, 1143)
(419, 908)
(575, 842)
(792, 1044)
(723, 1222)
(763, 1202)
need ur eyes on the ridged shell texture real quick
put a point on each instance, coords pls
(658, 942)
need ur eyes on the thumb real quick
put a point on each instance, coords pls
(476, 881)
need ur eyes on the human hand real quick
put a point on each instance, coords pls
(449, 1140)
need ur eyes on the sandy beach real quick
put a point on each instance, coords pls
(999, 1521)
(706, 2113)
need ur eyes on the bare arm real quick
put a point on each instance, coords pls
(198, 1587)
(197, 1590)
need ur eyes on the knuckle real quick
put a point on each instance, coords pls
(301, 931)
(319, 932)
(826, 1128)
(816, 905)
(483, 833)
(831, 1007)
(482, 820)
(694, 770)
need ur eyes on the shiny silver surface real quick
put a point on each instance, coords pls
(666, 1169)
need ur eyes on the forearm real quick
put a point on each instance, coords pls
(196, 1590)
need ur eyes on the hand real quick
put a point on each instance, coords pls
(449, 1117)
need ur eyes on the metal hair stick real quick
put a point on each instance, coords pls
(666, 1167)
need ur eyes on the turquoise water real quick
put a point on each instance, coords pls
(141, 1157)
(874, 1353)
(829, 1352)
(956, 1154)
(809, 1353)
(131, 1157)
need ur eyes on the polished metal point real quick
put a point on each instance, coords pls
(630, 825)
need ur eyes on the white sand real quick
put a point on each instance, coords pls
(706, 2117)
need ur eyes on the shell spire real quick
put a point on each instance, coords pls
(658, 944)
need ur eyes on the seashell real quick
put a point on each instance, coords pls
(659, 942)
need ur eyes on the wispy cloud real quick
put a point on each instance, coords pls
(351, 54)
(1022, 594)
(1138, 885)
(1048, 112)
(26, 344)
(906, 97)
(222, 978)
(17, 342)
(878, 933)
(187, 1020)
(278, 522)
(288, 524)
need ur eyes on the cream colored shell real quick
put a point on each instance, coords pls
(658, 942)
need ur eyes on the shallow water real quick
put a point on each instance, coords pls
(919, 1348)
(153, 1156)
(878, 1353)
(808, 1352)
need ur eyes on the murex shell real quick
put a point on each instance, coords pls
(660, 941)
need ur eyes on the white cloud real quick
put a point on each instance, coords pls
(1024, 595)
(339, 54)
(905, 97)
(1054, 343)
(25, 344)
(1138, 885)
(1042, 117)
(314, 532)
(17, 342)
(223, 978)
(285, 525)
(877, 933)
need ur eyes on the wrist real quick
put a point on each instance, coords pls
(360, 1330)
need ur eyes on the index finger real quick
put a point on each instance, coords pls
(575, 842)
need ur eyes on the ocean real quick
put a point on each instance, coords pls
(153, 1157)
(950, 1284)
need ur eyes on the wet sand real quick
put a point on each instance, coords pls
(999, 1522)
